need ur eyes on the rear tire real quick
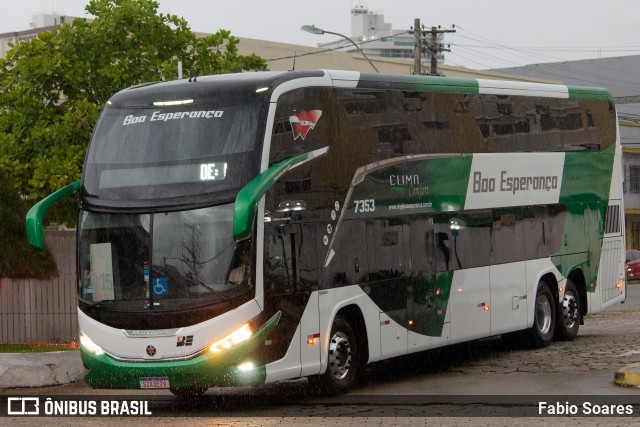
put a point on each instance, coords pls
(343, 362)
(569, 314)
(544, 321)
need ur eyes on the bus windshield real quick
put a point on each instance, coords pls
(163, 261)
(172, 151)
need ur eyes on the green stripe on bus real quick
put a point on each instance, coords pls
(586, 183)
(440, 186)
(420, 83)
(587, 176)
(429, 293)
(578, 92)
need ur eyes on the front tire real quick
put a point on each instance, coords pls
(544, 322)
(569, 314)
(343, 364)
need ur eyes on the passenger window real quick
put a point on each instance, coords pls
(462, 240)
(507, 236)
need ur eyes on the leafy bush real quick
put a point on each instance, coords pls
(18, 260)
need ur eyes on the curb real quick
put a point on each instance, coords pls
(40, 369)
(629, 376)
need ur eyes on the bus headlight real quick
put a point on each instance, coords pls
(241, 334)
(89, 345)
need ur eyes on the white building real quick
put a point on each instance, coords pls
(40, 23)
(374, 36)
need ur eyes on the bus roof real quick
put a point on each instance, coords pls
(245, 84)
(482, 86)
(206, 87)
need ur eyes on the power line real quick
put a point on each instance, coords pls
(566, 71)
(566, 48)
(377, 39)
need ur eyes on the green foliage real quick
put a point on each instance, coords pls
(17, 259)
(52, 88)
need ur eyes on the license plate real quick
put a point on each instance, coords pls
(154, 382)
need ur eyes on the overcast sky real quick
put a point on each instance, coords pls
(490, 33)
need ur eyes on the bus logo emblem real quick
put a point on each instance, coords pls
(302, 123)
(151, 350)
(185, 341)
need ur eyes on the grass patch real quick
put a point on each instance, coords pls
(34, 348)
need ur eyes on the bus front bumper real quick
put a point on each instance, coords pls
(204, 371)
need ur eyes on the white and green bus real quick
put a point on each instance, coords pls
(251, 228)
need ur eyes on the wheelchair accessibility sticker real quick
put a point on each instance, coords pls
(160, 287)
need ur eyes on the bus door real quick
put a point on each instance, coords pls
(429, 296)
(462, 251)
(389, 280)
(291, 277)
(508, 271)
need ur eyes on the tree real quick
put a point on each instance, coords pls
(17, 259)
(52, 88)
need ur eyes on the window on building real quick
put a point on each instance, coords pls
(625, 181)
(634, 179)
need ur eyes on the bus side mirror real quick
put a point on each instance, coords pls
(244, 211)
(35, 216)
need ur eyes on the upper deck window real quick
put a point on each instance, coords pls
(173, 150)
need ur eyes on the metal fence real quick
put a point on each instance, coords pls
(42, 311)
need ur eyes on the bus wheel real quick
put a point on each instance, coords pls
(544, 321)
(569, 310)
(187, 392)
(343, 364)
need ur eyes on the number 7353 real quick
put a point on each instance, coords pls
(365, 205)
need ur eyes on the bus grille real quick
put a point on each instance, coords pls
(610, 264)
(612, 219)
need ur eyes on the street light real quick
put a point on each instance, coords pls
(315, 30)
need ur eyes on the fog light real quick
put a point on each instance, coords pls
(246, 367)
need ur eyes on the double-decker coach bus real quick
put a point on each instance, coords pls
(250, 228)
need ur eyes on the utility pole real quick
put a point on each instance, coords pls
(435, 48)
(427, 42)
(417, 47)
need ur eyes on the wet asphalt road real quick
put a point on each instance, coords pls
(482, 383)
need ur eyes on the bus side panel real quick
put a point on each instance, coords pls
(612, 271)
(469, 304)
(393, 337)
(300, 355)
(289, 366)
(309, 337)
(610, 277)
(303, 354)
(419, 342)
(605, 287)
(508, 297)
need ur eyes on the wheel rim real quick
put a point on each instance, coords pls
(339, 355)
(569, 309)
(543, 314)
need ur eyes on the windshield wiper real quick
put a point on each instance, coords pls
(96, 304)
(195, 282)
